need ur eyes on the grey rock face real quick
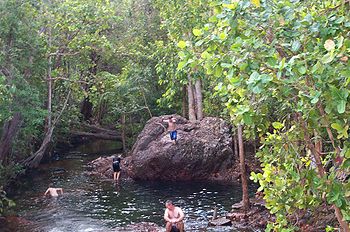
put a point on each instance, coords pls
(203, 151)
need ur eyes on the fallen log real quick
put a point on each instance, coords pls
(99, 129)
(97, 135)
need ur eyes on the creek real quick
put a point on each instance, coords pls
(90, 203)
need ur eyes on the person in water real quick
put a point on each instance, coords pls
(173, 216)
(116, 168)
(172, 128)
(53, 192)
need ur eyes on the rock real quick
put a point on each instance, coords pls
(102, 166)
(15, 223)
(141, 227)
(203, 151)
(237, 205)
(221, 221)
(236, 215)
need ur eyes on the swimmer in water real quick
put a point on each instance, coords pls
(53, 192)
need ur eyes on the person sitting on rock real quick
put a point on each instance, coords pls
(53, 192)
(173, 216)
(116, 168)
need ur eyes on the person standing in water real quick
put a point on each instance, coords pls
(172, 128)
(173, 216)
(116, 168)
(53, 192)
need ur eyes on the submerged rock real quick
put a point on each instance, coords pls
(203, 151)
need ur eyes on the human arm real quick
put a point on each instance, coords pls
(61, 190)
(181, 215)
(47, 191)
(166, 216)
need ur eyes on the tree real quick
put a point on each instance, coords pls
(19, 68)
(73, 31)
(179, 19)
(283, 75)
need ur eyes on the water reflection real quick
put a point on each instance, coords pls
(94, 204)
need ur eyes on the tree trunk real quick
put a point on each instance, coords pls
(245, 194)
(184, 102)
(318, 143)
(123, 132)
(86, 109)
(34, 160)
(199, 99)
(191, 103)
(9, 132)
(235, 144)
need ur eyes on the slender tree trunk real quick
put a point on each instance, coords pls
(34, 160)
(245, 193)
(191, 103)
(123, 132)
(145, 102)
(235, 144)
(184, 102)
(199, 99)
(318, 143)
(328, 129)
(9, 132)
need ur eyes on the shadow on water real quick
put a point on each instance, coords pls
(93, 204)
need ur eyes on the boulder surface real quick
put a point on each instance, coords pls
(203, 150)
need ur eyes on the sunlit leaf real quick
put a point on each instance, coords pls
(256, 3)
(181, 44)
(327, 58)
(222, 35)
(181, 64)
(295, 45)
(277, 125)
(302, 70)
(196, 32)
(336, 126)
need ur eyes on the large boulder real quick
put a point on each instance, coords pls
(203, 151)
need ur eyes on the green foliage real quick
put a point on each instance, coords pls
(278, 64)
(8, 172)
(20, 58)
(5, 203)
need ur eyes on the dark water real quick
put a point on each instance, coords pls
(93, 204)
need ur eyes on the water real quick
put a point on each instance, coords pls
(90, 203)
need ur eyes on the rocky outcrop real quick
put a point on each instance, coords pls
(101, 166)
(141, 227)
(203, 151)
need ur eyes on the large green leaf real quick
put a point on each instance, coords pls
(329, 57)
